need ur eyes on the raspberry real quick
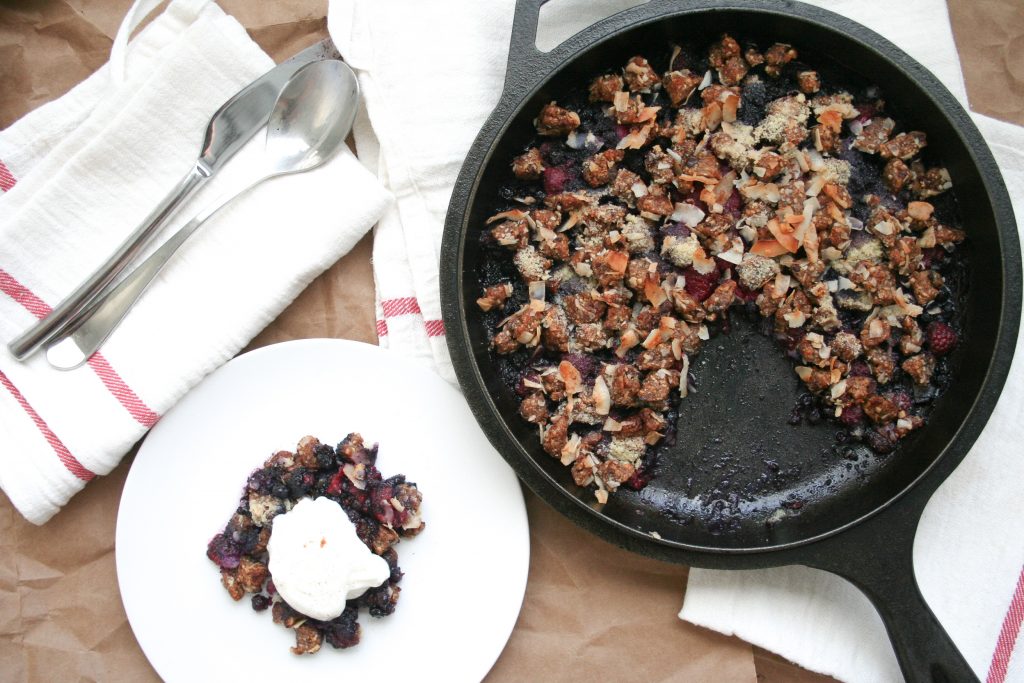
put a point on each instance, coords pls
(852, 416)
(700, 286)
(555, 178)
(941, 338)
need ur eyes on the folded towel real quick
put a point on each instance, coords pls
(418, 149)
(78, 175)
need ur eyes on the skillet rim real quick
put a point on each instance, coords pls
(531, 73)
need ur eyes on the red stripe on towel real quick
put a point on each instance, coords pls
(407, 305)
(1007, 635)
(435, 328)
(404, 306)
(7, 179)
(71, 462)
(20, 293)
(124, 394)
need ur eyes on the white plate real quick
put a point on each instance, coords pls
(465, 575)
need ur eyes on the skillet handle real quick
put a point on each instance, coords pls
(525, 61)
(879, 561)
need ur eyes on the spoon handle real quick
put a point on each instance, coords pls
(77, 342)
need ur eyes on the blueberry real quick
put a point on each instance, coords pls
(260, 602)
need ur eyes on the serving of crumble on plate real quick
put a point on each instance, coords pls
(185, 484)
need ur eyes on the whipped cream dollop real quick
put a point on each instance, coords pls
(318, 562)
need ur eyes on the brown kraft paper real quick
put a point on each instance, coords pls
(591, 611)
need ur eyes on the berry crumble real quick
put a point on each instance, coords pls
(656, 202)
(381, 510)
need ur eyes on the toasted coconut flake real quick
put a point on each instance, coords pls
(815, 161)
(707, 80)
(876, 329)
(571, 376)
(697, 179)
(639, 189)
(730, 106)
(927, 239)
(525, 200)
(611, 425)
(654, 292)
(618, 261)
(514, 214)
(803, 372)
(782, 282)
(702, 333)
(571, 222)
(816, 185)
(601, 495)
(602, 397)
(531, 384)
(635, 139)
(677, 349)
(884, 228)
(620, 100)
(628, 340)
(684, 377)
(838, 389)
(856, 127)
(653, 339)
(570, 450)
(356, 474)
(688, 214)
(904, 423)
(725, 187)
(537, 290)
(648, 114)
(786, 239)
(768, 248)
(795, 318)
(734, 254)
(653, 438)
(701, 263)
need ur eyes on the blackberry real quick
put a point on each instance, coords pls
(324, 456)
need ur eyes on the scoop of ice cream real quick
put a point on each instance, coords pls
(317, 560)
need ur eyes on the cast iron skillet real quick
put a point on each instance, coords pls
(736, 461)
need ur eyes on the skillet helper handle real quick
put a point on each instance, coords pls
(880, 562)
(525, 61)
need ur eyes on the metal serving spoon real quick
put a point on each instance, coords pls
(309, 124)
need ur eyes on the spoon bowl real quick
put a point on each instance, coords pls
(310, 121)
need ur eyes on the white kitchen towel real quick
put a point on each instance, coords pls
(426, 100)
(78, 175)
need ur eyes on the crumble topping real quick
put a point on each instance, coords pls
(382, 510)
(733, 179)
